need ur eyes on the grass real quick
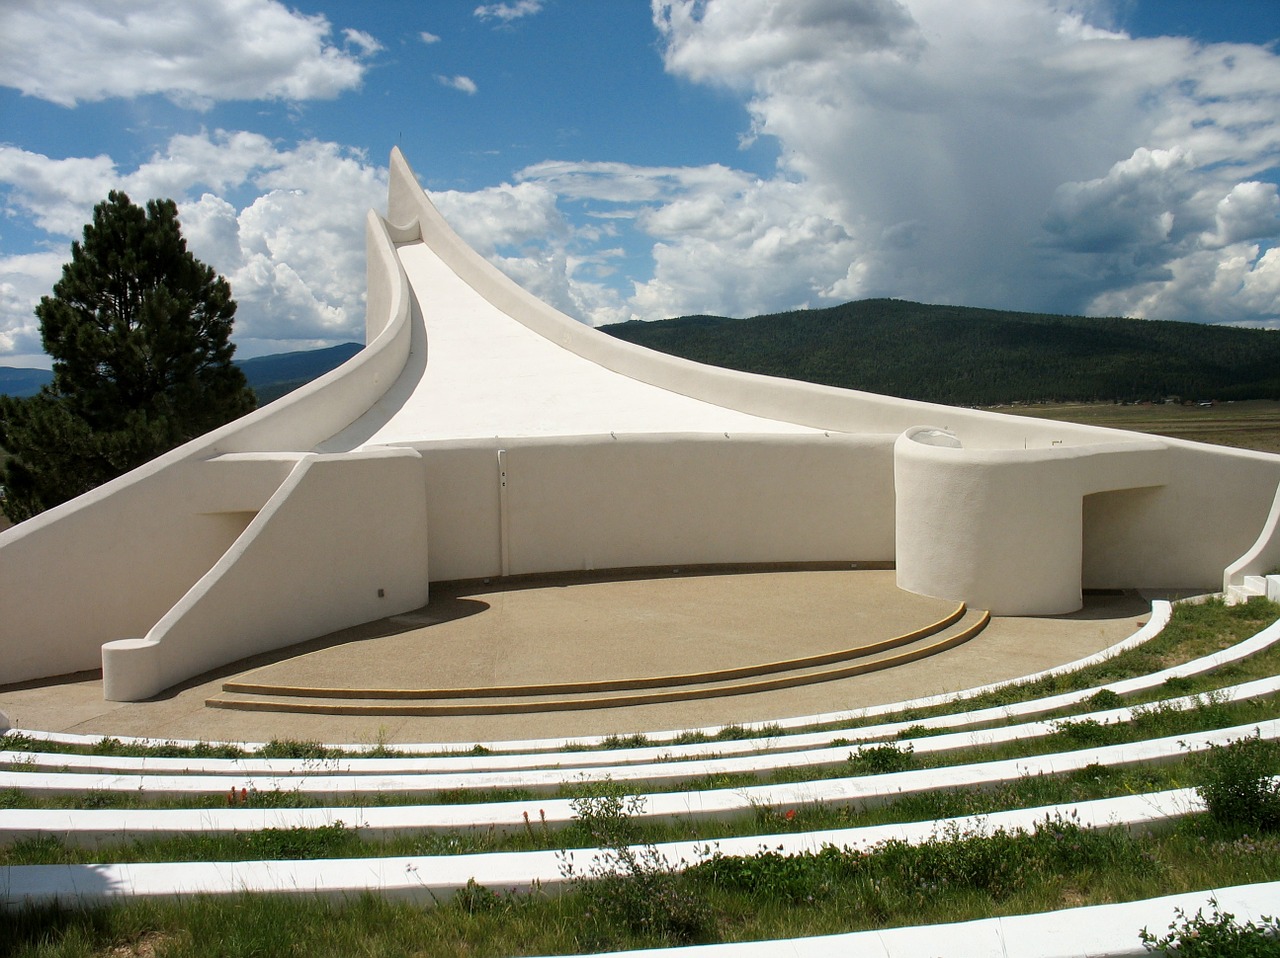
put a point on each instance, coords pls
(952, 878)
(1253, 424)
(1091, 782)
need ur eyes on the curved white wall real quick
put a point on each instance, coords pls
(1003, 529)
(271, 529)
(600, 502)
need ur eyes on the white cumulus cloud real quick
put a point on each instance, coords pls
(294, 253)
(24, 278)
(1020, 153)
(1025, 154)
(72, 51)
(463, 84)
(506, 12)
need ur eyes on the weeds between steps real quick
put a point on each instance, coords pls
(337, 840)
(1154, 721)
(629, 897)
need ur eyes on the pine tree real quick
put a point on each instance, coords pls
(139, 331)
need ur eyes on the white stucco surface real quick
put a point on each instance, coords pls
(708, 803)
(487, 375)
(545, 446)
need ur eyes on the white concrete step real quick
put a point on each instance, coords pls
(864, 790)
(1237, 594)
(1096, 931)
(439, 876)
(660, 770)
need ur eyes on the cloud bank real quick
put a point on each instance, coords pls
(1011, 154)
(1024, 154)
(1007, 154)
(74, 51)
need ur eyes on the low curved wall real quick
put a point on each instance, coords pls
(1003, 530)
(599, 502)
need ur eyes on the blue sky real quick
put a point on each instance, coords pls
(634, 160)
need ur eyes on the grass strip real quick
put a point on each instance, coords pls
(873, 759)
(949, 879)
(339, 841)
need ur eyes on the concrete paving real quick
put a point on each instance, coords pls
(583, 628)
(568, 627)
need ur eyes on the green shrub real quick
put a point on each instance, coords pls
(1179, 684)
(630, 889)
(881, 759)
(1105, 699)
(1082, 733)
(1218, 936)
(1237, 784)
(625, 741)
(691, 738)
(769, 875)
(474, 898)
(291, 748)
(917, 731)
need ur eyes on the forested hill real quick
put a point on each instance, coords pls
(270, 376)
(964, 356)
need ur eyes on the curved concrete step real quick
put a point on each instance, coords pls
(34, 884)
(868, 650)
(698, 803)
(661, 767)
(491, 701)
(664, 742)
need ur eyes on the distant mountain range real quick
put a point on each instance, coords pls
(270, 376)
(979, 357)
(19, 381)
(273, 376)
(949, 354)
